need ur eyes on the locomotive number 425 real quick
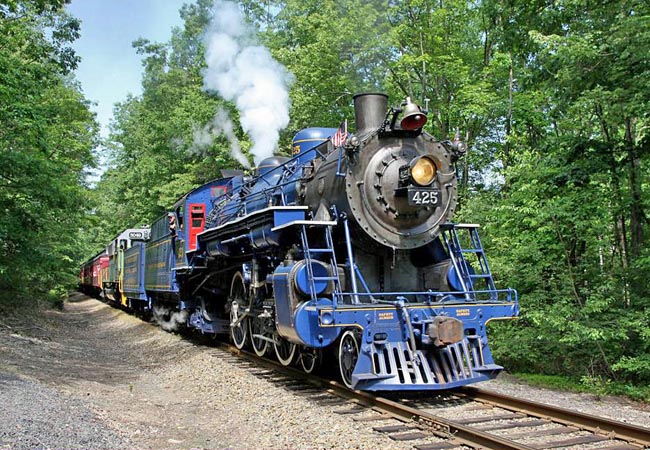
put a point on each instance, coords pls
(424, 196)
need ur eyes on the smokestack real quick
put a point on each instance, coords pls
(369, 111)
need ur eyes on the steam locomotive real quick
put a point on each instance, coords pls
(344, 250)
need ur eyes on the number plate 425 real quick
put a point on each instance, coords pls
(424, 196)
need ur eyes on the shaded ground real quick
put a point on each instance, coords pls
(35, 416)
(93, 377)
(104, 357)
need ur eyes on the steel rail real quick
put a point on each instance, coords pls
(595, 424)
(465, 434)
(441, 427)
(459, 433)
(468, 435)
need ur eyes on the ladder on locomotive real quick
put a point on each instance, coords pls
(473, 277)
(327, 251)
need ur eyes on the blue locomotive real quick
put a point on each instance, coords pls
(347, 250)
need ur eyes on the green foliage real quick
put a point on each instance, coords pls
(153, 158)
(47, 134)
(567, 226)
(597, 386)
(335, 49)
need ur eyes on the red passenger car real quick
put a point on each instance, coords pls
(92, 275)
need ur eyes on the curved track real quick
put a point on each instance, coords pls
(489, 420)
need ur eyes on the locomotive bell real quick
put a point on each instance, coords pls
(413, 117)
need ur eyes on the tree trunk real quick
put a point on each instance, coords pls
(506, 147)
(637, 215)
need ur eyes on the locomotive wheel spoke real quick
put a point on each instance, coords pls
(285, 351)
(310, 359)
(348, 355)
(258, 326)
(238, 305)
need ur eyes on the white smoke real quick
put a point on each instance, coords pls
(244, 72)
(220, 125)
(168, 319)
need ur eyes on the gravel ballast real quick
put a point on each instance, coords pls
(94, 377)
(616, 408)
(37, 417)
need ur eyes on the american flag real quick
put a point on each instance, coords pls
(338, 139)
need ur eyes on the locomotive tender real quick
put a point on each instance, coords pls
(346, 249)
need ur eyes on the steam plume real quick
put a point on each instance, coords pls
(176, 318)
(242, 71)
(220, 125)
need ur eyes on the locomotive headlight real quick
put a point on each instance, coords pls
(423, 171)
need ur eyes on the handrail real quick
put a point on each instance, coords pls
(252, 181)
(511, 296)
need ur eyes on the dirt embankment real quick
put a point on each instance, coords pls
(67, 376)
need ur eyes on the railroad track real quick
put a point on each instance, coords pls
(487, 420)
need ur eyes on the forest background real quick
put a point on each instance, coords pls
(551, 98)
